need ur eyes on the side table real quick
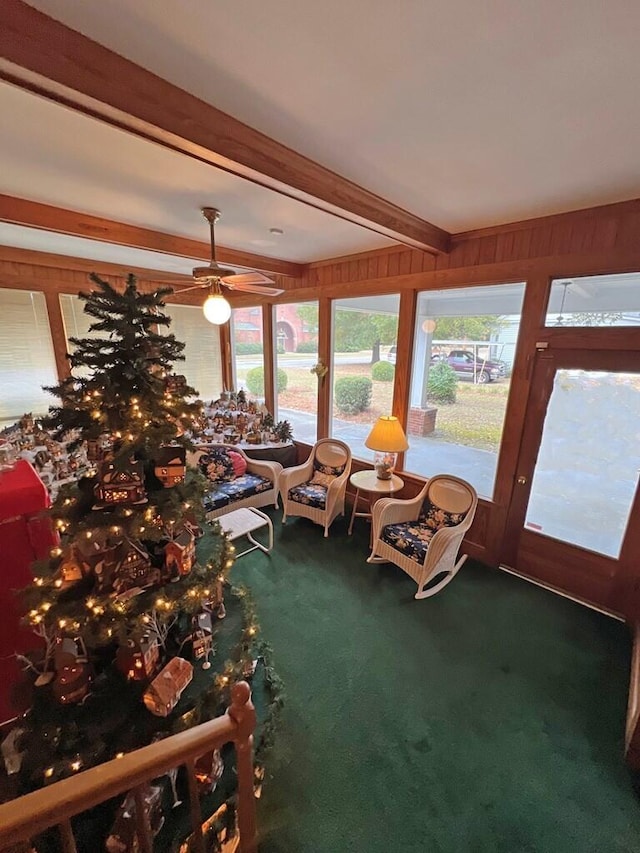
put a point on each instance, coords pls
(367, 481)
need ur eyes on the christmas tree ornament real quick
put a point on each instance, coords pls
(127, 567)
(180, 554)
(209, 769)
(139, 659)
(175, 383)
(170, 465)
(120, 484)
(99, 449)
(202, 637)
(72, 680)
(164, 692)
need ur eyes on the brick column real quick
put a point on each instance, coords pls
(422, 421)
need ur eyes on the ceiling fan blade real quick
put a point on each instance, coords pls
(187, 289)
(261, 289)
(179, 282)
(246, 278)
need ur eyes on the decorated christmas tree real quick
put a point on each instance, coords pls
(125, 594)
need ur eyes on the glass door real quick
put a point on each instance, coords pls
(574, 512)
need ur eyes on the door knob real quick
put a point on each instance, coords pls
(522, 480)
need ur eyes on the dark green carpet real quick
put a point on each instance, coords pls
(489, 718)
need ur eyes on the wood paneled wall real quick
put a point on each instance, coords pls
(587, 242)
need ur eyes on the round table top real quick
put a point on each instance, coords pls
(367, 481)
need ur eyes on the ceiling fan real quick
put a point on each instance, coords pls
(215, 277)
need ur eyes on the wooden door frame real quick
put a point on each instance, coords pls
(608, 583)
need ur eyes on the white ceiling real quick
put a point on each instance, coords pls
(467, 114)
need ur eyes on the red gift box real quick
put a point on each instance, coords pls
(25, 535)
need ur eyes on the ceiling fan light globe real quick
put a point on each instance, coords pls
(216, 309)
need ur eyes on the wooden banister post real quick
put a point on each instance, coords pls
(243, 714)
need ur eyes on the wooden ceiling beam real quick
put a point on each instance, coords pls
(44, 56)
(20, 211)
(49, 260)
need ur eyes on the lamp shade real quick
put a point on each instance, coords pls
(387, 436)
(216, 309)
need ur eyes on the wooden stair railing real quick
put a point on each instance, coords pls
(632, 732)
(26, 817)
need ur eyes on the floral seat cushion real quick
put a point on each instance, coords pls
(236, 490)
(412, 538)
(312, 494)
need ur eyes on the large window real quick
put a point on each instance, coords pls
(464, 349)
(595, 300)
(247, 350)
(27, 360)
(296, 329)
(202, 365)
(364, 337)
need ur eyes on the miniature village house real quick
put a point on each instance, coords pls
(180, 554)
(170, 465)
(72, 680)
(138, 659)
(164, 692)
(120, 485)
(175, 383)
(72, 569)
(126, 567)
(99, 448)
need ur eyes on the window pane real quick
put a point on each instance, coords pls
(365, 333)
(27, 361)
(202, 365)
(587, 468)
(596, 300)
(296, 327)
(464, 349)
(247, 348)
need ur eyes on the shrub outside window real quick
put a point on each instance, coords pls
(296, 330)
(247, 350)
(364, 335)
(465, 342)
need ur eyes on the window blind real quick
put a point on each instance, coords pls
(27, 361)
(76, 324)
(202, 365)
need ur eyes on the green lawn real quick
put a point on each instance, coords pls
(474, 420)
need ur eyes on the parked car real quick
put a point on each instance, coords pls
(390, 356)
(466, 366)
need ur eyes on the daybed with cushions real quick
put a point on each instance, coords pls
(236, 481)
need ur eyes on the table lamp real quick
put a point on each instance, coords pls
(387, 439)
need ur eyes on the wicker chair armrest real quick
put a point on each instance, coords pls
(397, 509)
(393, 511)
(264, 468)
(294, 476)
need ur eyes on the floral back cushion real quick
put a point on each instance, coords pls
(321, 479)
(435, 518)
(217, 465)
(329, 470)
